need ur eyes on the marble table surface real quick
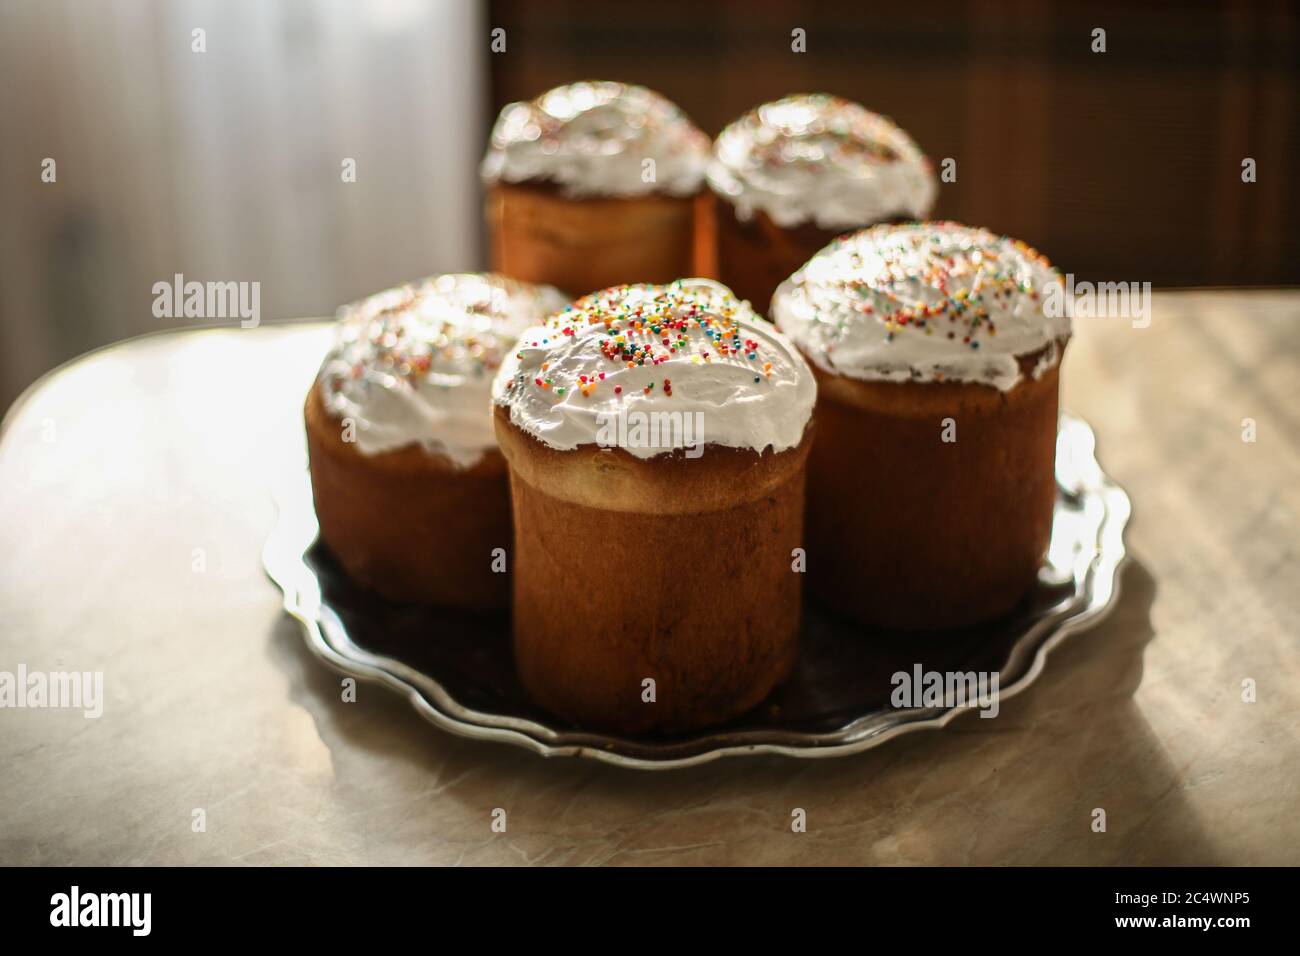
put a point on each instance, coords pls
(135, 502)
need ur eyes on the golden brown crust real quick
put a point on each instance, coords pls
(581, 245)
(704, 602)
(925, 399)
(614, 480)
(908, 531)
(756, 256)
(409, 524)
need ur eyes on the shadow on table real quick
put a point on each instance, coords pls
(1023, 788)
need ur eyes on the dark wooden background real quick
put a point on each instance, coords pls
(1123, 165)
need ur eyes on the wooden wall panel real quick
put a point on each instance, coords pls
(1122, 165)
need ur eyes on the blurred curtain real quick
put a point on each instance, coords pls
(227, 164)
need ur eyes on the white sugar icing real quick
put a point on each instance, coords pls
(687, 347)
(594, 138)
(822, 159)
(414, 365)
(925, 302)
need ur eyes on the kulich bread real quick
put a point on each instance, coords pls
(411, 493)
(670, 559)
(791, 175)
(931, 488)
(410, 525)
(908, 532)
(756, 255)
(594, 184)
(541, 235)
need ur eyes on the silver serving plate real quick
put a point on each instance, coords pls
(457, 672)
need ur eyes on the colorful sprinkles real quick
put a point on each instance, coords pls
(645, 326)
(537, 139)
(454, 324)
(815, 129)
(964, 278)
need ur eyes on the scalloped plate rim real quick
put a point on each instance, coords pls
(283, 558)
